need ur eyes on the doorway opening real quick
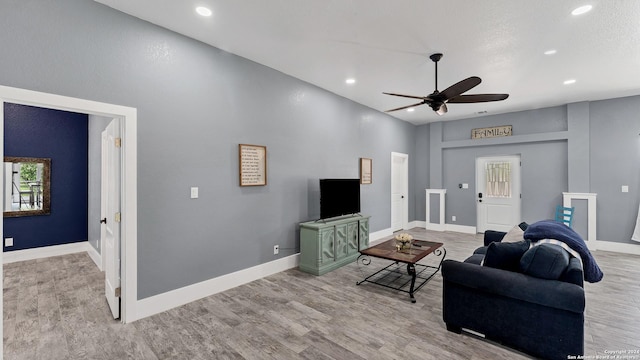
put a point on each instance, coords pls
(128, 179)
(498, 201)
(399, 191)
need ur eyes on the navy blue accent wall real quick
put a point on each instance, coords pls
(63, 137)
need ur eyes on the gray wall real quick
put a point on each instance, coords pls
(615, 161)
(421, 166)
(195, 105)
(539, 137)
(96, 125)
(580, 147)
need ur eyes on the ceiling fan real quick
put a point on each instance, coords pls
(452, 95)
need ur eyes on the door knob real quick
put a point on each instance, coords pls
(103, 221)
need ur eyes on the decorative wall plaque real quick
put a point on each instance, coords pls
(491, 132)
(253, 165)
(366, 171)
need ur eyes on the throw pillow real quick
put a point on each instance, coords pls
(514, 235)
(505, 256)
(545, 261)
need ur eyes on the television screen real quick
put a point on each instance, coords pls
(339, 197)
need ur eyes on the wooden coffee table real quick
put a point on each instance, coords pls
(393, 276)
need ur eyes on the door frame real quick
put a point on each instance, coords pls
(129, 180)
(405, 188)
(511, 157)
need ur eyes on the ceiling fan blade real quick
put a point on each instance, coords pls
(462, 99)
(405, 107)
(442, 109)
(407, 96)
(459, 87)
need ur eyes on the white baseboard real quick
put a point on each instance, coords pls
(174, 298)
(465, 229)
(435, 226)
(417, 224)
(624, 248)
(377, 236)
(95, 256)
(44, 252)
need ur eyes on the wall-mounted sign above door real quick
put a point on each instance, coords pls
(490, 132)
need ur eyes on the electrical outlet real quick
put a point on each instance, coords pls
(453, 218)
(276, 249)
(194, 192)
(625, 188)
(8, 242)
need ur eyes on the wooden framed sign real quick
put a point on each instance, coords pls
(490, 132)
(366, 171)
(253, 165)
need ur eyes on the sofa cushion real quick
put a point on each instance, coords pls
(505, 256)
(480, 250)
(545, 261)
(493, 236)
(475, 259)
(514, 235)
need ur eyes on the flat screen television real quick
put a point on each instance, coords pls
(339, 197)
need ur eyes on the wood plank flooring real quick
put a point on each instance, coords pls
(54, 308)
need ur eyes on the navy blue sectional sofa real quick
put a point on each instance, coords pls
(538, 310)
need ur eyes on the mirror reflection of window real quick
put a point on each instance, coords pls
(26, 186)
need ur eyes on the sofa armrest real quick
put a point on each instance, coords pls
(493, 236)
(550, 293)
(574, 273)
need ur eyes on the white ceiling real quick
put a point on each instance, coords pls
(385, 45)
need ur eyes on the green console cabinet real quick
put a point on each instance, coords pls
(328, 245)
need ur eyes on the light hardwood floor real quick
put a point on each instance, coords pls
(55, 309)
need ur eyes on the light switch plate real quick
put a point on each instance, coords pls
(465, 186)
(625, 188)
(194, 192)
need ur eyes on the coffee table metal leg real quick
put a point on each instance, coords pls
(411, 270)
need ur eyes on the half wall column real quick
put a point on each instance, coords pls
(591, 214)
(439, 226)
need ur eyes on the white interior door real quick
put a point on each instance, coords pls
(110, 205)
(399, 191)
(498, 192)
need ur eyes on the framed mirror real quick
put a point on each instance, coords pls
(27, 184)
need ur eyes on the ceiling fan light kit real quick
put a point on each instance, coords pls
(438, 100)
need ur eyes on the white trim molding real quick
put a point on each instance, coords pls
(129, 180)
(460, 228)
(178, 297)
(378, 236)
(95, 256)
(417, 224)
(440, 225)
(625, 248)
(44, 252)
(567, 197)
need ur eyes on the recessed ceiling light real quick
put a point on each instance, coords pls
(203, 11)
(411, 109)
(569, 82)
(581, 10)
(550, 52)
(350, 81)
